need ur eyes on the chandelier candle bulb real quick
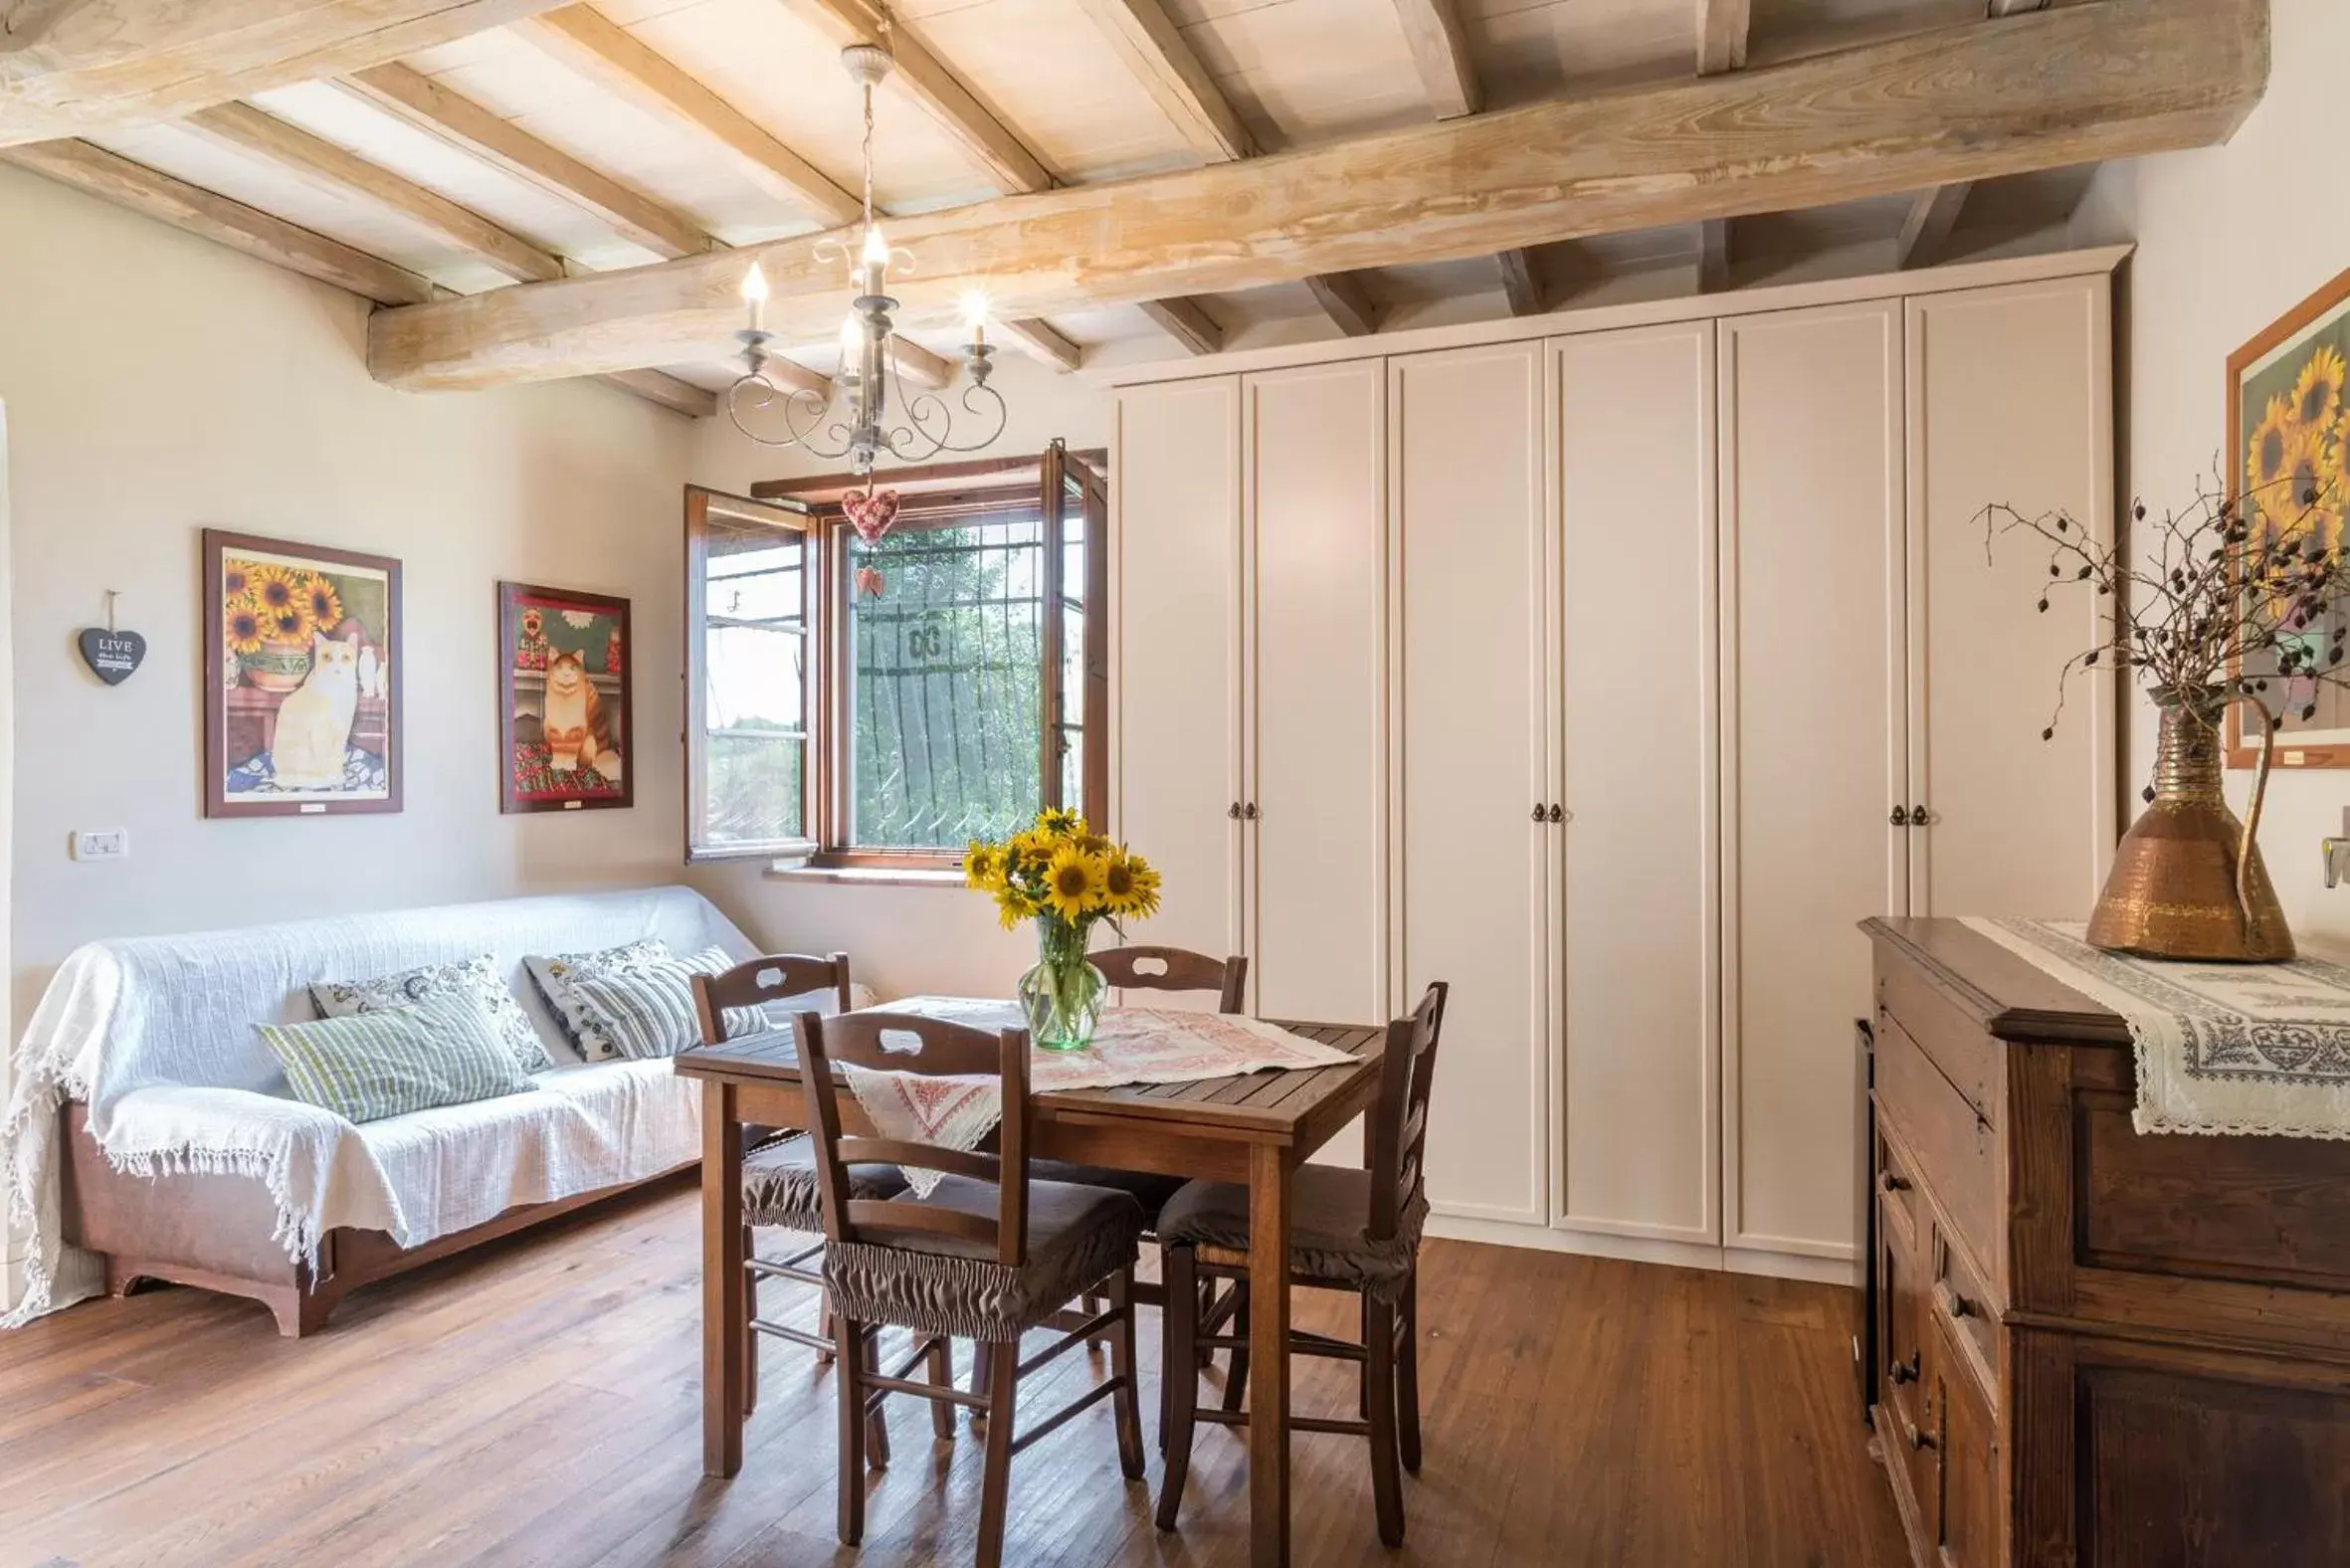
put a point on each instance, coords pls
(754, 295)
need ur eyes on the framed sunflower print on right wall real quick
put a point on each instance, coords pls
(2288, 468)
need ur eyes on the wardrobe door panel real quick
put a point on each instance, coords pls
(1313, 445)
(2010, 401)
(1814, 748)
(1639, 1089)
(1467, 465)
(1176, 487)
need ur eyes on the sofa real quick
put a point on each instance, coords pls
(150, 1134)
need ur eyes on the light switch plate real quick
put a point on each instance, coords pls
(101, 843)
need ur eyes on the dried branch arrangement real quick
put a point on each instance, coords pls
(2229, 604)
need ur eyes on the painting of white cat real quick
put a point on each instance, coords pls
(305, 718)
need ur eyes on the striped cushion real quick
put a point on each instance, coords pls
(477, 977)
(649, 1011)
(558, 977)
(444, 1051)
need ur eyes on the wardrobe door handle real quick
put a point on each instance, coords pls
(1918, 817)
(1900, 817)
(1558, 812)
(1539, 814)
(1250, 811)
(1233, 811)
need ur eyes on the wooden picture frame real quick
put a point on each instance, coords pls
(543, 635)
(2308, 346)
(317, 628)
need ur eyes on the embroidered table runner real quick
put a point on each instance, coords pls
(2261, 1049)
(1133, 1045)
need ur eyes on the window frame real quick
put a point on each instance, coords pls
(784, 516)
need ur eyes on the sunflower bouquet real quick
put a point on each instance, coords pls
(269, 613)
(1061, 874)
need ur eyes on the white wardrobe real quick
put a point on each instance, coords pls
(1589, 666)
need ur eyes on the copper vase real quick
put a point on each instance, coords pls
(2187, 879)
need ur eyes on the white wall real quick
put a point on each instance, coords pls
(902, 939)
(157, 384)
(2228, 240)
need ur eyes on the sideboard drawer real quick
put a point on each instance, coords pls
(1897, 1188)
(1956, 1151)
(1967, 1313)
(1970, 1059)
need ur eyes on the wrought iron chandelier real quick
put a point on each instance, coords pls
(867, 410)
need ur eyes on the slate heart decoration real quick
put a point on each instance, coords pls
(113, 655)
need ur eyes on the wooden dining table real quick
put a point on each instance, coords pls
(1255, 1128)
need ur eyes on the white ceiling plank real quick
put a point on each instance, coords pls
(217, 218)
(423, 102)
(610, 55)
(1162, 60)
(1440, 52)
(313, 158)
(1931, 218)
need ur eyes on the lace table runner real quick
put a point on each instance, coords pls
(2232, 1048)
(1133, 1045)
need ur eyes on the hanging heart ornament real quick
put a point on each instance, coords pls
(870, 513)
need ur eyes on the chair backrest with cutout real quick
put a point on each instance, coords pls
(1175, 969)
(1399, 1128)
(756, 982)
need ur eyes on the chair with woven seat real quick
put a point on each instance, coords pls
(987, 1255)
(779, 1169)
(1357, 1231)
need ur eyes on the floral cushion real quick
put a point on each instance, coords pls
(474, 977)
(558, 977)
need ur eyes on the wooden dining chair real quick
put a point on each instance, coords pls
(779, 1168)
(1357, 1231)
(987, 1255)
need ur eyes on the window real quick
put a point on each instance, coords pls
(882, 704)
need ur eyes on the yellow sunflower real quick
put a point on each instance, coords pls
(2309, 488)
(1130, 885)
(290, 624)
(1073, 883)
(2317, 393)
(241, 627)
(320, 599)
(983, 867)
(2268, 460)
(236, 580)
(277, 587)
(1060, 823)
(1012, 906)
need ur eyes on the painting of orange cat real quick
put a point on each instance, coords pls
(564, 699)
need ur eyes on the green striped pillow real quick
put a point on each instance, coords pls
(364, 1067)
(649, 1011)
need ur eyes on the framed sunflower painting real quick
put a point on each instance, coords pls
(563, 709)
(302, 704)
(2288, 468)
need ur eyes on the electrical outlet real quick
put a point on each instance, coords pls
(101, 843)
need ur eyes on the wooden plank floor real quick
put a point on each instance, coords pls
(537, 1401)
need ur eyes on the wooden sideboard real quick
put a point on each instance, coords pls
(2094, 1347)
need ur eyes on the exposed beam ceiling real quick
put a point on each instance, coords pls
(1342, 299)
(70, 68)
(1440, 53)
(583, 39)
(425, 103)
(935, 90)
(678, 397)
(1723, 27)
(1166, 66)
(1933, 215)
(1713, 256)
(1041, 341)
(1186, 321)
(245, 128)
(2051, 90)
(232, 224)
(920, 366)
(1521, 281)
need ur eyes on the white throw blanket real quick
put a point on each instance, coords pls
(155, 1035)
(2235, 1049)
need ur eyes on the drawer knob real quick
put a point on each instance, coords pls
(1889, 1182)
(1922, 1438)
(1905, 1371)
(1950, 1302)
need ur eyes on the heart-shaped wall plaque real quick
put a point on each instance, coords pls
(113, 655)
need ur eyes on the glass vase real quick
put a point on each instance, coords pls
(1063, 994)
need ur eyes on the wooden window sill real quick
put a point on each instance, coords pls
(866, 875)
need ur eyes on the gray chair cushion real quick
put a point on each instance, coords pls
(779, 1185)
(1146, 1188)
(1329, 1223)
(1078, 1236)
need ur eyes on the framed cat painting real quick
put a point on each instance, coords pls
(302, 693)
(563, 709)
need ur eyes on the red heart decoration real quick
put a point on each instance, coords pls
(869, 582)
(870, 513)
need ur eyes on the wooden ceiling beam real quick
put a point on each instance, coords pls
(936, 92)
(244, 128)
(419, 101)
(1970, 103)
(1346, 305)
(664, 391)
(1713, 256)
(1722, 29)
(187, 207)
(1188, 322)
(1039, 341)
(606, 53)
(1521, 282)
(920, 366)
(1167, 66)
(73, 67)
(1933, 215)
(2017, 7)
(1440, 53)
